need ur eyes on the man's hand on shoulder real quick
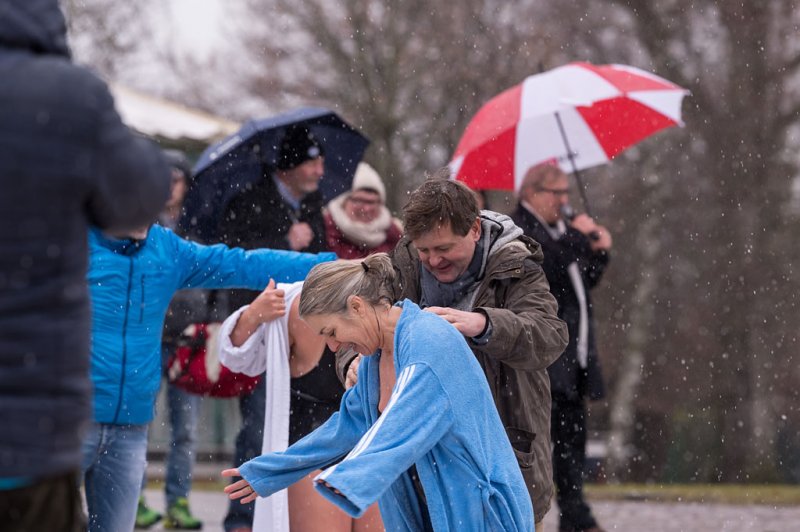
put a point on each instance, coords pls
(470, 324)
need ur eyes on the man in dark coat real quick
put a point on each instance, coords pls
(66, 161)
(283, 211)
(575, 255)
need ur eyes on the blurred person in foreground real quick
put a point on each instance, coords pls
(282, 211)
(479, 272)
(66, 161)
(357, 223)
(132, 278)
(186, 307)
(418, 433)
(575, 256)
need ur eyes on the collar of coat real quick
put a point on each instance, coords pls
(367, 234)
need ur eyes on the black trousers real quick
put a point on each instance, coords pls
(568, 433)
(52, 504)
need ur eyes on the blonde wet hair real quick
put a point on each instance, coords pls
(330, 285)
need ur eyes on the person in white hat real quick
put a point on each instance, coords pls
(357, 223)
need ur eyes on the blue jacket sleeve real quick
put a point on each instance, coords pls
(273, 472)
(219, 266)
(396, 441)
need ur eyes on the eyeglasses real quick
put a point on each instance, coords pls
(554, 191)
(364, 201)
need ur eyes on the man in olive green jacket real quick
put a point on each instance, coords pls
(478, 271)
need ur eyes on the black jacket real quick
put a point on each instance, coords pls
(66, 161)
(568, 381)
(259, 218)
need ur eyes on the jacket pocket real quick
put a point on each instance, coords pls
(522, 443)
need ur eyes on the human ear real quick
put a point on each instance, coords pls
(356, 305)
(476, 228)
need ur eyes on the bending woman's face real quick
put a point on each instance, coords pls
(352, 330)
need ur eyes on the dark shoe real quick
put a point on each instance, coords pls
(146, 516)
(179, 517)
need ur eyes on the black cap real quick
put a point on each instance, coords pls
(298, 146)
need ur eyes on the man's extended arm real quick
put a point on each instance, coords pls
(219, 266)
(526, 331)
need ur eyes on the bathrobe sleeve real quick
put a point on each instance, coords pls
(417, 416)
(273, 472)
(249, 358)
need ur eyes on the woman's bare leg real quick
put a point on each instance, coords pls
(370, 521)
(311, 512)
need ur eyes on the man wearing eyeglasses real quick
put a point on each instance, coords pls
(575, 256)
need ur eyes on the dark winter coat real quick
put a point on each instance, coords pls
(526, 337)
(66, 161)
(568, 381)
(259, 218)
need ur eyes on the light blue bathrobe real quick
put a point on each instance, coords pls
(440, 417)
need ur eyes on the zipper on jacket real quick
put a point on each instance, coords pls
(141, 304)
(124, 341)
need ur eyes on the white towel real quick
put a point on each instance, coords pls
(267, 350)
(583, 324)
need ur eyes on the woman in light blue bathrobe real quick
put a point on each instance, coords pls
(419, 433)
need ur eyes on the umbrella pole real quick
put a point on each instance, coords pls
(582, 190)
(571, 157)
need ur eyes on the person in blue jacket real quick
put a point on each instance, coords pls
(419, 432)
(132, 278)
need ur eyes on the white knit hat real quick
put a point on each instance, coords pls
(367, 177)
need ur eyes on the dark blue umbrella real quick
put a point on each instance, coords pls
(248, 155)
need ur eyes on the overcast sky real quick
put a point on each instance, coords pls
(198, 23)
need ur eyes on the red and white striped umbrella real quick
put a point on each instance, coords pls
(591, 112)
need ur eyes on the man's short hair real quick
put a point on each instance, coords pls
(440, 201)
(538, 175)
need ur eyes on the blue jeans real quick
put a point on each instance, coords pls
(249, 443)
(114, 459)
(183, 410)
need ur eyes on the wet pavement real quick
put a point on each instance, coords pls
(622, 516)
(630, 516)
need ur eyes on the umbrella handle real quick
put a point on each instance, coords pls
(569, 214)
